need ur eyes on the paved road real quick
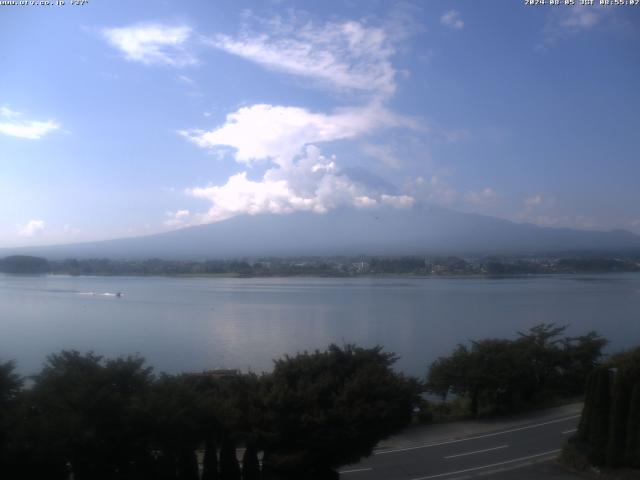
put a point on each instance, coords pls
(483, 454)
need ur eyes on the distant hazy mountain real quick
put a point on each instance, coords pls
(420, 230)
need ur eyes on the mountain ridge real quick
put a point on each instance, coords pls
(415, 231)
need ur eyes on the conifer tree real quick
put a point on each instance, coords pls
(229, 467)
(618, 420)
(587, 411)
(187, 464)
(599, 421)
(632, 444)
(250, 464)
(210, 462)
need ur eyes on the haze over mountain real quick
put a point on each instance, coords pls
(414, 231)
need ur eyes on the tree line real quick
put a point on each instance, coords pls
(506, 375)
(103, 419)
(329, 267)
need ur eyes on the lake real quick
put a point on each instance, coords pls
(191, 324)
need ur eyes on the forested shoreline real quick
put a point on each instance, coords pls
(325, 267)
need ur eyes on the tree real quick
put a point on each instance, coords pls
(609, 430)
(210, 461)
(451, 373)
(82, 411)
(580, 355)
(10, 390)
(326, 409)
(229, 467)
(250, 464)
(24, 264)
(632, 443)
(618, 420)
(502, 375)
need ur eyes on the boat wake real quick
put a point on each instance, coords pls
(101, 294)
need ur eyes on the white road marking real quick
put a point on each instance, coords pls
(569, 431)
(477, 451)
(355, 470)
(488, 466)
(448, 442)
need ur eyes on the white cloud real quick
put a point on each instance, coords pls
(31, 228)
(152, 43)
(484, 197)
(397, 201)
(30, 129)
(347, 55)
(279, 133)
(177, 218)
(452, 19)
(311, 183)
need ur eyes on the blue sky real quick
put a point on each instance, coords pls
(125, 118)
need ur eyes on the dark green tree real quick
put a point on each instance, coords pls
(210, 461)
(450, 374)
(609, 430)
(330, 408)
(187, 464)
(81, 410)
(250, 463)
(599, 421)
(618, 420)
(505, 375)
(229, 466)
(10, 412)
(24, 264)
(632, 444)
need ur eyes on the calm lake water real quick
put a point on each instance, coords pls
(190, 324)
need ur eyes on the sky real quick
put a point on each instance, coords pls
(122, 118)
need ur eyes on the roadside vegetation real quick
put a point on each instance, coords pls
(114, 419)
(609, 433)
(101, 418)
(540, 367)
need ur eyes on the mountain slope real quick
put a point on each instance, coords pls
(347, 232)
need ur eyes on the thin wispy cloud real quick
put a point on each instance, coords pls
(571, 21)
(452, 19)
(383, 153)
(482, 198)
(186, 80)
(349, 55)
(153, 43)
(581, 17)
(14, 124)
(8, 113)
(434, 190)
